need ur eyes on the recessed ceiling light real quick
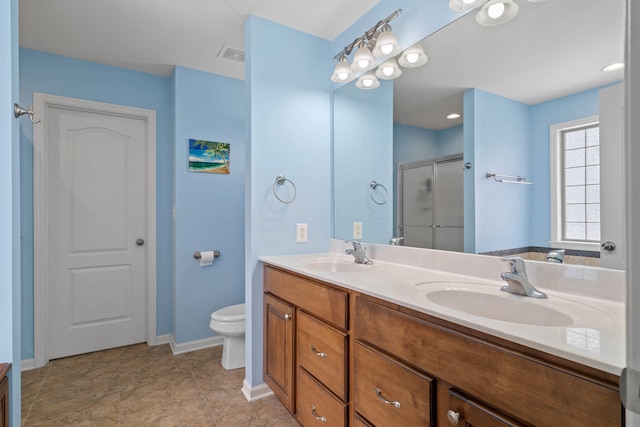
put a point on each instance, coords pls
(613, 67)
(453, 116)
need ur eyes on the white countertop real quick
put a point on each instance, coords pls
(595, 337)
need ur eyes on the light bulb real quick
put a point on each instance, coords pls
(496, 10)
(468, 1)
(386, 48)
(363, 63)
(412, 58)
(387, 71)
(367, 82)
(343, 76)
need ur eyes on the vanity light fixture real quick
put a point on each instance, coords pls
(496, 12)
(343, 72)
(613, 67)
(413, 56)
(367, 81)
(453, 116)
(388, 70)
(386, 43)
(363, 60)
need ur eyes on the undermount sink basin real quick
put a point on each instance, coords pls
(338, 266)
(499, 307)
(486, 300)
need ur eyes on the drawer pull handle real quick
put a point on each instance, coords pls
(317, 417)
(388, 402)
(318, 353)
(285, 316)
(453, 417)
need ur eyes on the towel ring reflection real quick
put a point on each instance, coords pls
(281, 180)
(373, 185)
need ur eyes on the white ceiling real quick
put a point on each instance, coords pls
(154, 35)
(550, 49)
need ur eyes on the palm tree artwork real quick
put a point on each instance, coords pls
(209, 156)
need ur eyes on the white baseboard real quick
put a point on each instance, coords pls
(257, 392)
(163, 339)
(195, 345)
(27, 364)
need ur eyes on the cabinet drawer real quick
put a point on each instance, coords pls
(469, 412)
(546, 393)
(327, 303)
(387, 393)
(322, 351)
(317, 406)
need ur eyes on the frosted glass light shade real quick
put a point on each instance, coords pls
(367, 81)
(460, 5)
(413, 56)
(363, 60)
(386, 44)
(388, 70)
(343, 72)
(496, 12)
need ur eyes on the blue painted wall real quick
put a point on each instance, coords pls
(57, 75)
(289, 132)
(209, 207)
(363, 149)
(10, 207)
(502, 140)
(543, 115)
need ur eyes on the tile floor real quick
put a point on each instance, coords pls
(140, 385)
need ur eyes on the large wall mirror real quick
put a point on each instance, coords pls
(510, 83)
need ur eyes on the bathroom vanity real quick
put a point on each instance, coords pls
(338, 354)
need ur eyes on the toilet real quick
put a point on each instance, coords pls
(229, 322)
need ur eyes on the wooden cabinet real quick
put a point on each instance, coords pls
(338, 357)
(279, 349)
(4, 394)
(307, 347)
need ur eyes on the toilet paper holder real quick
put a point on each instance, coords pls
(198, 255)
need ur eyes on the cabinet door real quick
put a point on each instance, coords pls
(467, 412)
(279, 348)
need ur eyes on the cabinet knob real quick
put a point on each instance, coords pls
(316, 416)
(453, 417)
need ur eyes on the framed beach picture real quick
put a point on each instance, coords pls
(209, 156)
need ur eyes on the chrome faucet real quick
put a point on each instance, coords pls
(518, 282)
(396, 241)
(358, 252)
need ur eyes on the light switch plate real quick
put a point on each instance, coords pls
(302, 235)
(357, 230)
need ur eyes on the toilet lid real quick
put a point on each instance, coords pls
(229, 314)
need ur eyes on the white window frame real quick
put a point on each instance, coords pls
(556, 182)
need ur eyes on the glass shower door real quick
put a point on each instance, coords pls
(416, 206)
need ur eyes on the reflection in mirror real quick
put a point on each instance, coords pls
(510, 83)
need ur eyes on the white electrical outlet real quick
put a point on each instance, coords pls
(357, 230)
(302, 235)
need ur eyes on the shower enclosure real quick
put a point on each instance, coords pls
(430, 203)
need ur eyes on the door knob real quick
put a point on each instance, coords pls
(608, 246)
(139, 242)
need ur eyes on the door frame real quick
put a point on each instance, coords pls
(41, 103)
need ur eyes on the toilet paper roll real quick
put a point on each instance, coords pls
(206, 258)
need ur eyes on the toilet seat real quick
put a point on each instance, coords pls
(232, 313)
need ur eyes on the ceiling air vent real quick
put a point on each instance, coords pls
(231, 53)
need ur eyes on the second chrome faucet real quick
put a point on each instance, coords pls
(518, 282)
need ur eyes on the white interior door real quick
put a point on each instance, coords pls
(95, 180)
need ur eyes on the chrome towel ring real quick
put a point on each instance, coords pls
(372, 186)
(282, 180)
